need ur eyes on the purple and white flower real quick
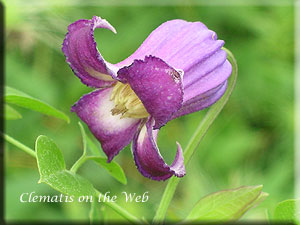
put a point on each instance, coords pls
(179, 69)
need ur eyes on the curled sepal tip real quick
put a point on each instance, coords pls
(148, 158)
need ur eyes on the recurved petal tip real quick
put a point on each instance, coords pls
(148, 159)
(80, 50)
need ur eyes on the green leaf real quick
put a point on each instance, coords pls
(11, 114)
(53, 171)
(227, 205)
(21, 99)
(260, 199)
(49, 158)
(12, 91)
(69, 184)
(286, 211)
(113, 168)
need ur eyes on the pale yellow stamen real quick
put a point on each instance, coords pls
(98, 75)
(127, 102)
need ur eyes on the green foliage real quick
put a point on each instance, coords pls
(53, 171)
(227, 205)
(19, 98)
(285, 211)
(113, 168)
(10, 113)
(49, 157)
(69, 183)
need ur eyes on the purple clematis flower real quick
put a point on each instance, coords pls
(179, 69)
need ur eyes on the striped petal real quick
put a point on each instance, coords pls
(202, 101)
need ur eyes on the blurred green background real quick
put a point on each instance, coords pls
(250, 143)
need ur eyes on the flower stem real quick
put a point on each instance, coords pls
(19, 145)
(209, 118)
(79, 163)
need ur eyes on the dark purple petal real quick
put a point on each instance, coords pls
(113, 132)
(202, 101)
(157, 85)
(148, 159)
(82, 54)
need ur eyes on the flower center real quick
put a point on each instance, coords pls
(127, 102)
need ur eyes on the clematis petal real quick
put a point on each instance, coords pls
(157, 85)
(82, 55)
(208, 82)
(206, 91)
(148, 159)
(193, 48)
(202, 101)
(182, 45)
(206, 67)
(113, 132)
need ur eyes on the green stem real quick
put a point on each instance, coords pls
(19, 145)
(209, 118)
(84, 157)
(121, 211)
(79, 163)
